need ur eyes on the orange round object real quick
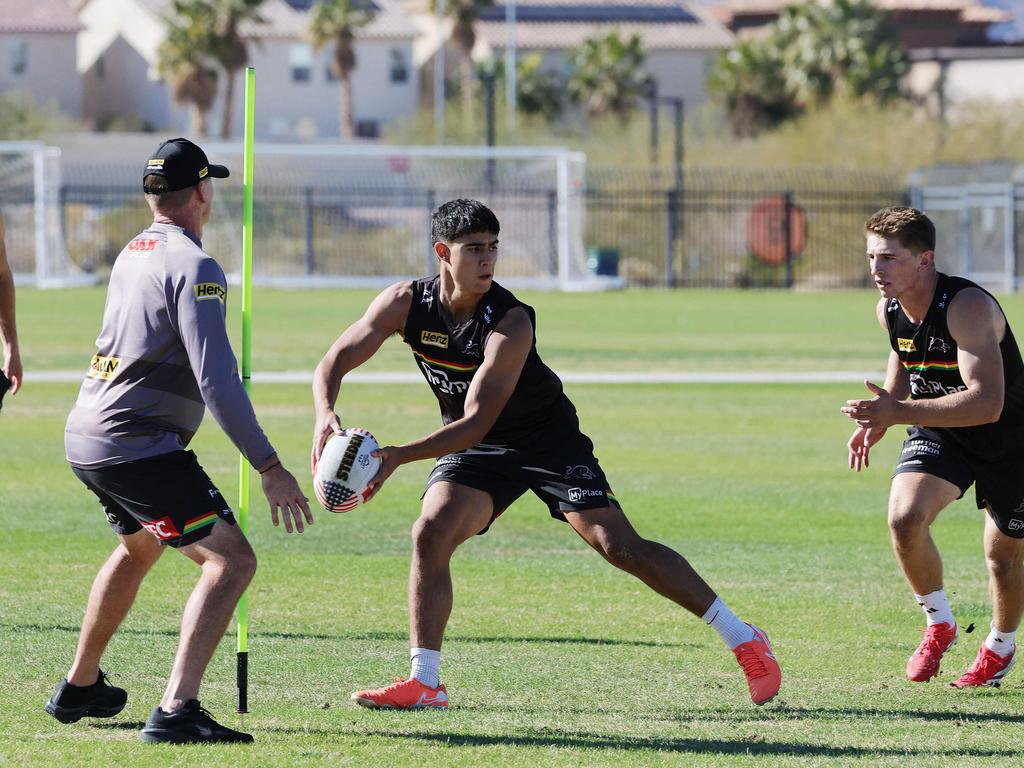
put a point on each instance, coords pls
(766, 229)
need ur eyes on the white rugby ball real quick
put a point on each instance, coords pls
(345, 470)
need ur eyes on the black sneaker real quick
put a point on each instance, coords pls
(189, 724)
(70, 703)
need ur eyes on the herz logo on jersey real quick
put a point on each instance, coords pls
(906, 345)
(440, 380)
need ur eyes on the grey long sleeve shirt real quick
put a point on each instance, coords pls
(162, 357)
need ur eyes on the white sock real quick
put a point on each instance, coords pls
(1001, 643)
(732, 631)
(426, 666)
(936, 607)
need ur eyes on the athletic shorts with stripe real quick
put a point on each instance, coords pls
(169, 495)
(998, 485)
(563, 472)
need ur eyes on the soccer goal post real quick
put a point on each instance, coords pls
(359, 215)
(32, 205)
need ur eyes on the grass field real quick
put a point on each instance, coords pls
(552, 657)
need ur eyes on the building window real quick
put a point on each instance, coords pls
(399, 66)
(300, 61)
(17, 56)
(367, 129)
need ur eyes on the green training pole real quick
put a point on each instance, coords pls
(242, 612)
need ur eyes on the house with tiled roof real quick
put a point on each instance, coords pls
(679, 38)
(296, 93)
(956, 57)
(37, 52)
(916, 23)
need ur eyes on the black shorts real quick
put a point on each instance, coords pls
(563, 473)
(998, 485)
(169, 495)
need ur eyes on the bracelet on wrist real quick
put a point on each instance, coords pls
(277, 463)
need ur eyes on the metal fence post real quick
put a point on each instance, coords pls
(671, 232)
(1010, 233)
(431, 205)
(787, 224)
(310, 265)
(553, 232)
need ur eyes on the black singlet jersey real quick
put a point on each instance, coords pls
(929, 354)
(449, 353)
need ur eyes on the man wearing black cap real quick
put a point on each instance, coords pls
(162, 358)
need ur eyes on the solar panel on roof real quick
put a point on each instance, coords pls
(305, 5)
(603, 13)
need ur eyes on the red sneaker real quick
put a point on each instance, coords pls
(759, 665)
(403, 694)
(988, 669)
(923, 665)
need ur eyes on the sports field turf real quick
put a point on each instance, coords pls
(552, 657)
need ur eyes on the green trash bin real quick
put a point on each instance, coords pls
(603, 262)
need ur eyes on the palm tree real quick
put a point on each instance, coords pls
(338, 20)
(229, 47)
(842, 47)
(184, 60)
(608, 75)
(465, 14)
(752, 81)
(811, 54)
(538, 92)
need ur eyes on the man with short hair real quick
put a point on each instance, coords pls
(508, 428)
(163, 357)
(10, 374)
(956, 377)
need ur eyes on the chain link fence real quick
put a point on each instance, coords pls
(318, 223)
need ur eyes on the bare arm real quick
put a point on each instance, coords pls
(8, 327)
(897, 381)
(977, 325)
(357, 344)
(493, 384)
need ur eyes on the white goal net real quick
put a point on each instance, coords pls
(334, 215)
(30, 200)
(360, 214)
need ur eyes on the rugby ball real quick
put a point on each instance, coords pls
(345, 470)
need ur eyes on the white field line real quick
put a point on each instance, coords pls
(581, 377)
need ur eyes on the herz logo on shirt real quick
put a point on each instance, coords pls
(434, 339)
(210, 291)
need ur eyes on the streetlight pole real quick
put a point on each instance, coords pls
(674, 206)
(510, 66)
(439, 76)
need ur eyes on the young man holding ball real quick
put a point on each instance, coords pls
(508, 428)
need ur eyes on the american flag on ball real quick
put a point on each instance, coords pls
(345, 469)
(336, 497)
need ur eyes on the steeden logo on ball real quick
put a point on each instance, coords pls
(345, 469)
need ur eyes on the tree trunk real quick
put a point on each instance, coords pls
(345, 106)
(468, 92)
(229, 98)
(198, 120)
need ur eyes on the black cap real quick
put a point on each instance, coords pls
(182, 163)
